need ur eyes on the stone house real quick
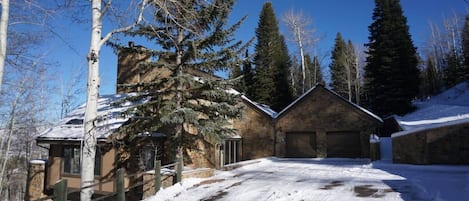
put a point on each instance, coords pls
(320, 123)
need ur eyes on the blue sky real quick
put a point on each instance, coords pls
(350, 17)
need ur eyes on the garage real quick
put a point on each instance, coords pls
(301, 144)
(343, 144)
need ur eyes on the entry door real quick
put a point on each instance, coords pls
(301, 145)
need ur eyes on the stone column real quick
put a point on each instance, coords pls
(35, 180)
(321, 143)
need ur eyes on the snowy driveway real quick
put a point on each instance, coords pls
(327, 179)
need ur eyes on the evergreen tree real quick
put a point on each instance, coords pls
(248, 76)
(283, 92)
(455, 71)
(465, 47)
(313, 72)
(271, 62)
(191, 35)
(237, 76)
(317, 72)
(430, 81)
(338, 67)
(391, 73)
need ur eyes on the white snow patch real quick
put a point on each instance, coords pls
(38, 162)
(325, 179)
(109, 118)
(451, 106)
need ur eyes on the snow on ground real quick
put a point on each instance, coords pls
(325, 179)
(449, 106)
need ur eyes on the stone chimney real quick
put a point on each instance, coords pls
(129, 70)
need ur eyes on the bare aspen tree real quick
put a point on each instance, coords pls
(98, 9)
(3, 36)
(360, 58)
(299, 26)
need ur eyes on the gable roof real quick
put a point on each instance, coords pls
(110, 110)
(265, 109)
(321, 87)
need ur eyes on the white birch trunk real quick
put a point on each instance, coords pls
(11, 124)
(91, 113)
(303, 67)
(89, 144)
(3, 37)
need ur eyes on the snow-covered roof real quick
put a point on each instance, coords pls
(430, 127)
(451, 107)
(262, 107)
(332, 92)
(110, 117)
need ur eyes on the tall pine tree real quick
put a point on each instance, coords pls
(191, 110)
(317, 77)
(465, 47)
(272, 62)
(338, 67)
(391, 73)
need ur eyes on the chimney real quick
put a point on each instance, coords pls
(128, 71)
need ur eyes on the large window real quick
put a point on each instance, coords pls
(71, 160)
(230, 152)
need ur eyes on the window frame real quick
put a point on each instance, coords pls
(76, 154)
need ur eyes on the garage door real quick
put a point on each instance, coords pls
(301, 145)
(343, 144)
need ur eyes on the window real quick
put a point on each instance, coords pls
(147, 157)
(230, 152)
(75, 122)
(71, 160)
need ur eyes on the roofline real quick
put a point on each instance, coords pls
(257, 107)
(299, 99)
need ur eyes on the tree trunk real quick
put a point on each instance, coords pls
(89, 144)
(3, 37)
(357, 80)
(11, 125)
(179, 128)
(303, 67)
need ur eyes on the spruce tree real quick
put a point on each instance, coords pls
(317, 72)
(338, 67)
(248, 76)
(190, 35)
(391, 73)
(283, 95)
(465, 47)
(271, 62)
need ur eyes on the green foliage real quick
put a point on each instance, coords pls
(391, 73)
(344, 69)
(430, 79)
(338, 67)
(190, 36)
(272, 62)
(465, 47)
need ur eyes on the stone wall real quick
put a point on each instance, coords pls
(442, 145)
(322, 112)
(256, 131)
(35, 182)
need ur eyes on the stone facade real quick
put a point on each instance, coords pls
(256, 132)
(441, 145)
(329, 122)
